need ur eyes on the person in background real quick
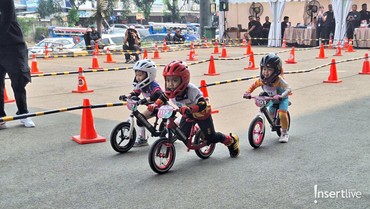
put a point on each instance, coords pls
(178, 38)
(252, 32)
(132, 38)
(329, 24)
(13, 61)
(320, 31)
(87, 38)
(365, 15)
(95, 37)
(284, 25)
(169, 37)
(265, 30)
(353, 21)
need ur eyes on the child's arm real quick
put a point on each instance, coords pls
(159, 102)
(198, 107)
(285, 86)
(255, 85)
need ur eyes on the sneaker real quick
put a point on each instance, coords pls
(234, 149)
(284, 138)
(2, 125)
(141, 142)
(27, 122)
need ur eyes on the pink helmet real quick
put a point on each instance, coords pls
(177, 68)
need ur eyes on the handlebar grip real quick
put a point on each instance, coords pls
(122, 97)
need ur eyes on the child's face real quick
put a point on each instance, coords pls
(172, 82)
(140, 75)
(267, 72)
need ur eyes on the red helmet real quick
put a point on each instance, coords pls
(177, 68)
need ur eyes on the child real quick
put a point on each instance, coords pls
(192, 105)
(144, 82)
(275, 86)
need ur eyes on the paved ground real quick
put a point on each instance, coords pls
(328, 149)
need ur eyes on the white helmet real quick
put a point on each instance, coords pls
(147, 66)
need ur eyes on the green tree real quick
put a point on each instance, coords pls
(145, 6)
(73, 17)
(104, 8)
(48, 7)
(172, 6)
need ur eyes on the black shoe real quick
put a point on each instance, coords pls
(234, 149)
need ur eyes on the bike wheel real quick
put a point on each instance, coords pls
(278, 132)
(120, 139)
(162, 156)
(256, 132)
(206, 151)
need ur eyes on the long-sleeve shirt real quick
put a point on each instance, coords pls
(280, 86)
(10, 31)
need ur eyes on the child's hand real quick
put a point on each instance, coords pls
(185, 110)
(247, 95)
(152, 107)
(277, 97)
(143, 101)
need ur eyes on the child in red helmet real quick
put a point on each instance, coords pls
(192, 104)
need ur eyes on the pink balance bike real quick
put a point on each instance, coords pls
(163, 152)
(256, 132)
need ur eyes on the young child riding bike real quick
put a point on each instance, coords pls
(192, 105)
(144, 83)
(275, 86)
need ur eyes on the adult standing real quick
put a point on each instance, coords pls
(252, 31)
(132, 38)
(320, 30)
(365, 15)
(266, 29)
(353, 21)
(13, 60)
(329, 24)
(284, 25)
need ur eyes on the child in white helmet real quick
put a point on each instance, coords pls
(144, 83)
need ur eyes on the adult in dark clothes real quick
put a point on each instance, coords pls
(329, 23)
(132, 38)
(13, 60)
(284, 25)
(353, 21)
(266, 29)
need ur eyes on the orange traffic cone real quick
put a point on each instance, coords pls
(109, 57)
(95, 62)
(291, 59)
(88, 133)
(145, 54)
(156, 53)
(215, 48)
(330, 46)
(47, 51)
(82, 84)
(244, 43)
(365, 66)
(191, 56)
(284, 43)
(96, 49)
(34, 68)
(211, 67)
(203, 89)
(350, 48)
(338, 51)
(164, 46)
(322, 53)
(205, 42)
(224, 52)
(333, 78)
(251, 65)
(249, 49)
(345, 46)
(6, 98)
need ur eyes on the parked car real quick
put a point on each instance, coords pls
(111, 41)
(54, 45)
(143, 32)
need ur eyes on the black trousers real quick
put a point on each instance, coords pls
(207, 128)
(14, 62)
(135, 48)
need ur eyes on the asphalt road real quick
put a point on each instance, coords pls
(324, 165)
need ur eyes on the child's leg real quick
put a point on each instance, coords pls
(284, 121)
(185, 127)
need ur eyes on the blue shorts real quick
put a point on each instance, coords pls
(283, 105)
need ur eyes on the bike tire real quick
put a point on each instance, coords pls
(162, 156)
(278, 132)
(256, 132)
(206, 151)
(119, 138)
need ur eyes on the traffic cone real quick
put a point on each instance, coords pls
(205, 42)
(224, 52)
(215, 48)
(350, 48)
(156, 53)
(338, 51)
(365, 66)
(87, 133)
(330, 46)
(251, 65)
(249, 49)
(211, 67)
(96, 49)
(164, 46)
(345, 46)
(322, 53)
(34, 68)
(291, 59)
(244, 43)
(109, 57)
(333, 78)
(82, 84)
(192, 56)
(203, 89)
(46, 54)
(284, 43)
(145, 54)
(6, 98)
(95, 62)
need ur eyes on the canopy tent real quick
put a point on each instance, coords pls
(340, 9)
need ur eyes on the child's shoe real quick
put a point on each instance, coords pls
(284, 137)
(234, 148)
(141, 142)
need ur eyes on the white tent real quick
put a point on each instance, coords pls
(340, 9)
